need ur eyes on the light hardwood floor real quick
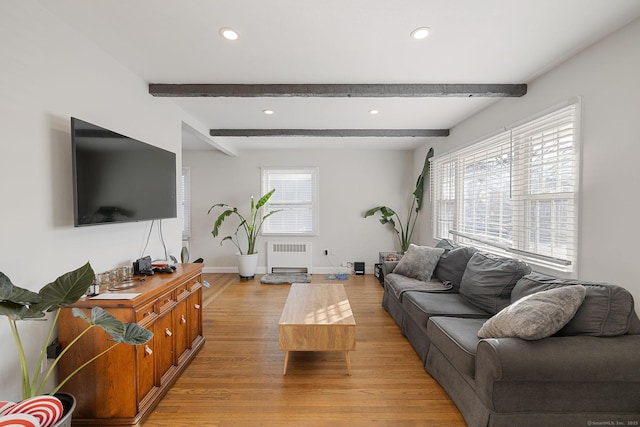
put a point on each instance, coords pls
(236, 379)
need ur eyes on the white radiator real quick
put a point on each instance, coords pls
(289, 257)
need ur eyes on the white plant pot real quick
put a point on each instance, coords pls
(247, 265)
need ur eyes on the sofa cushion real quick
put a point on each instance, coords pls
(607, 310)
(458, 339)
(447, 245)
(452, 264)
(419, 262)
(489, 279)
(398, 284)
(420, 306)
(535, 316)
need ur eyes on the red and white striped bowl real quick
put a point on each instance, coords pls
(5, 406)
(47, 409)
(19, 420)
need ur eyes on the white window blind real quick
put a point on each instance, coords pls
(515, 192)
(297, 195)
(185, 203)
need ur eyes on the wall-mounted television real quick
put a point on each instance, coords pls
(119, 179)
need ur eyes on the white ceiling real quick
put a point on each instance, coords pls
(338, 41)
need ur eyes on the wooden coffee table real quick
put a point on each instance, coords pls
(317, 317)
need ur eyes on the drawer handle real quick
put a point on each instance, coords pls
(148, 350)
(148, 313)
(196, 306)
(168, 300)
(182, 319)
(167, 332)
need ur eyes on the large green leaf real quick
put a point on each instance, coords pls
(16, 302)
(387, 212)
(66, 289)
(16, 294)
(386, 216)
(134, 334)
(419, 191)
(384, 211)
(264, 199)
(103, 319)
(226, 238)
(226, 213)
(16, 311)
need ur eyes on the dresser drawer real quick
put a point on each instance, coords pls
(166, 302)
(195, 283)
(146, 313)
(182, 291)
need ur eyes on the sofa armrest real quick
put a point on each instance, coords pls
(388, 266)
(577, 374)
(558, 359)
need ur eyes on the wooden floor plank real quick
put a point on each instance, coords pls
(236, 379)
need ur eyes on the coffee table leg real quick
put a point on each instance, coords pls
(286, 361)
(346, 355)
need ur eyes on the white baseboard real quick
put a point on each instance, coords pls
(263, 270)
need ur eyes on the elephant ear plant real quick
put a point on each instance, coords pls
(387, 215)
(21, 304)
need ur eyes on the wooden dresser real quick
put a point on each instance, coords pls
(122, 387)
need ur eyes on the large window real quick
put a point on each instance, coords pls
(297, 195)
(515, 192)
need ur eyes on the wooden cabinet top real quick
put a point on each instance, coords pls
(148, 288)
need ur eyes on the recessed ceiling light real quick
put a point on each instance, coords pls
(268, 112)
(229, 33)
(420, 33)
(374, 112)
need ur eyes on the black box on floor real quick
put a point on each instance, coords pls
(358, 267)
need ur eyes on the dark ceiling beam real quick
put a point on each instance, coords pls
(337, 90)
(390, 133)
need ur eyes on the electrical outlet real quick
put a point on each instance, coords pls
(326, 252)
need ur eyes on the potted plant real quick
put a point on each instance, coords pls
(251, 225)
(387, 215)
(21, 304)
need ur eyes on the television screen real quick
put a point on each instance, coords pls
(119, 179)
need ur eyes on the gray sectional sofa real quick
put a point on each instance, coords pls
(553, 352)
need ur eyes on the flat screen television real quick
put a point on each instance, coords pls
(119, 179)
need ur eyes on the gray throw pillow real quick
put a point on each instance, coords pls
(447, 245)
(535, 316)
(607, 310)
(419, 262)
(452, 264)
(489, 279)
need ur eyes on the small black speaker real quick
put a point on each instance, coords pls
(358, 267)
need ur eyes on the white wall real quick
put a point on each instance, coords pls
(48, 74)
(606, 76)
(351, 182)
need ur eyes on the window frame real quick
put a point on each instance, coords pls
(523, 139)
(314, 204)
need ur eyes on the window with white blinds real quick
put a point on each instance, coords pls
(297, 195)
(185, 203)
(515, 192)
